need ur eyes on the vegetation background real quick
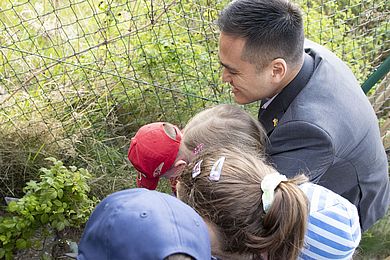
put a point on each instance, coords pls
(79, 77)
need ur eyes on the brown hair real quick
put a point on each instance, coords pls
(235, 206)
(224, 125)
(179, 256)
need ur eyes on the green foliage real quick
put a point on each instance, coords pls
(90, 87)
(60, 199)
(354, 30)
(375, 243)
(29, 133)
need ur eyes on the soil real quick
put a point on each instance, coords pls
(56, 245)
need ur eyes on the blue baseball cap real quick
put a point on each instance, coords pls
(143, 224)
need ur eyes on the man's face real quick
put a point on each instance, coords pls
(248, 83)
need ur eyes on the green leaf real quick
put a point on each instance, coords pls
(8, 223)
(60, 210)
(20, 225)
(21, 243)
(12, 206)
(2, 239)
(52, 159)
(44, 218)
(57, 203)
(52, 193)
(60, 225)
(50, 181)
(60, 193)
(2, 253)
(8, 255)
(32, 185)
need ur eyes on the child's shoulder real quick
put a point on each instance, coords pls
(321, 198)
(333, 226)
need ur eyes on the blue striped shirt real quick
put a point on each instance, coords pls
(333, 230)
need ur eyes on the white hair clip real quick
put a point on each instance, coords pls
(196, 169)
(268, 186)
(216, 170)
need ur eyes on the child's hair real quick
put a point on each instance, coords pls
(224, 125)
(179, 257)
(234, 204)
(171, 131)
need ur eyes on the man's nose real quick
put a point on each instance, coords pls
(226, 77)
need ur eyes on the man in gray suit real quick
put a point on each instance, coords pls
(316, 116)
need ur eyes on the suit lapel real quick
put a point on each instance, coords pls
(271, 116)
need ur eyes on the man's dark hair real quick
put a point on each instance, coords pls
(272, 29)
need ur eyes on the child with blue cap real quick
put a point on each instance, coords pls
(143, 224)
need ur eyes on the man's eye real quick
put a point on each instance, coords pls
(233, 72)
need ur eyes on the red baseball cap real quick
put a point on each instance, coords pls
(152, 152)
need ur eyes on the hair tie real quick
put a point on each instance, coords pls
(198, 149)
(216, 170)
(268, 186)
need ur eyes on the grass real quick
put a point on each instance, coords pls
(375, 243)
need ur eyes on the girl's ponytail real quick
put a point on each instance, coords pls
(284, 225)
(233, 202)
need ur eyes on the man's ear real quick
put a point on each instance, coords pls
(279, 70)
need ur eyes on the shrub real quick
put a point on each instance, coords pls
(60, 199)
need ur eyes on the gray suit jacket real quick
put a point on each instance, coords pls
(323, 125)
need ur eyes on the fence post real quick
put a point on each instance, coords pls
(381, 71)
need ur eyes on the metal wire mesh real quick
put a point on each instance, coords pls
(79, 77)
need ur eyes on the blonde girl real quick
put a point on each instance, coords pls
(220, 126)
(233, 207)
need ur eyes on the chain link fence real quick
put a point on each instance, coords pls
(79, 77)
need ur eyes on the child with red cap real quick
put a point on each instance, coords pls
(154, 153)
(160, 150)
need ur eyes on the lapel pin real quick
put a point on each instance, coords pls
(275, 121)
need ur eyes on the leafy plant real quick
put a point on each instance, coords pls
(60, 199)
